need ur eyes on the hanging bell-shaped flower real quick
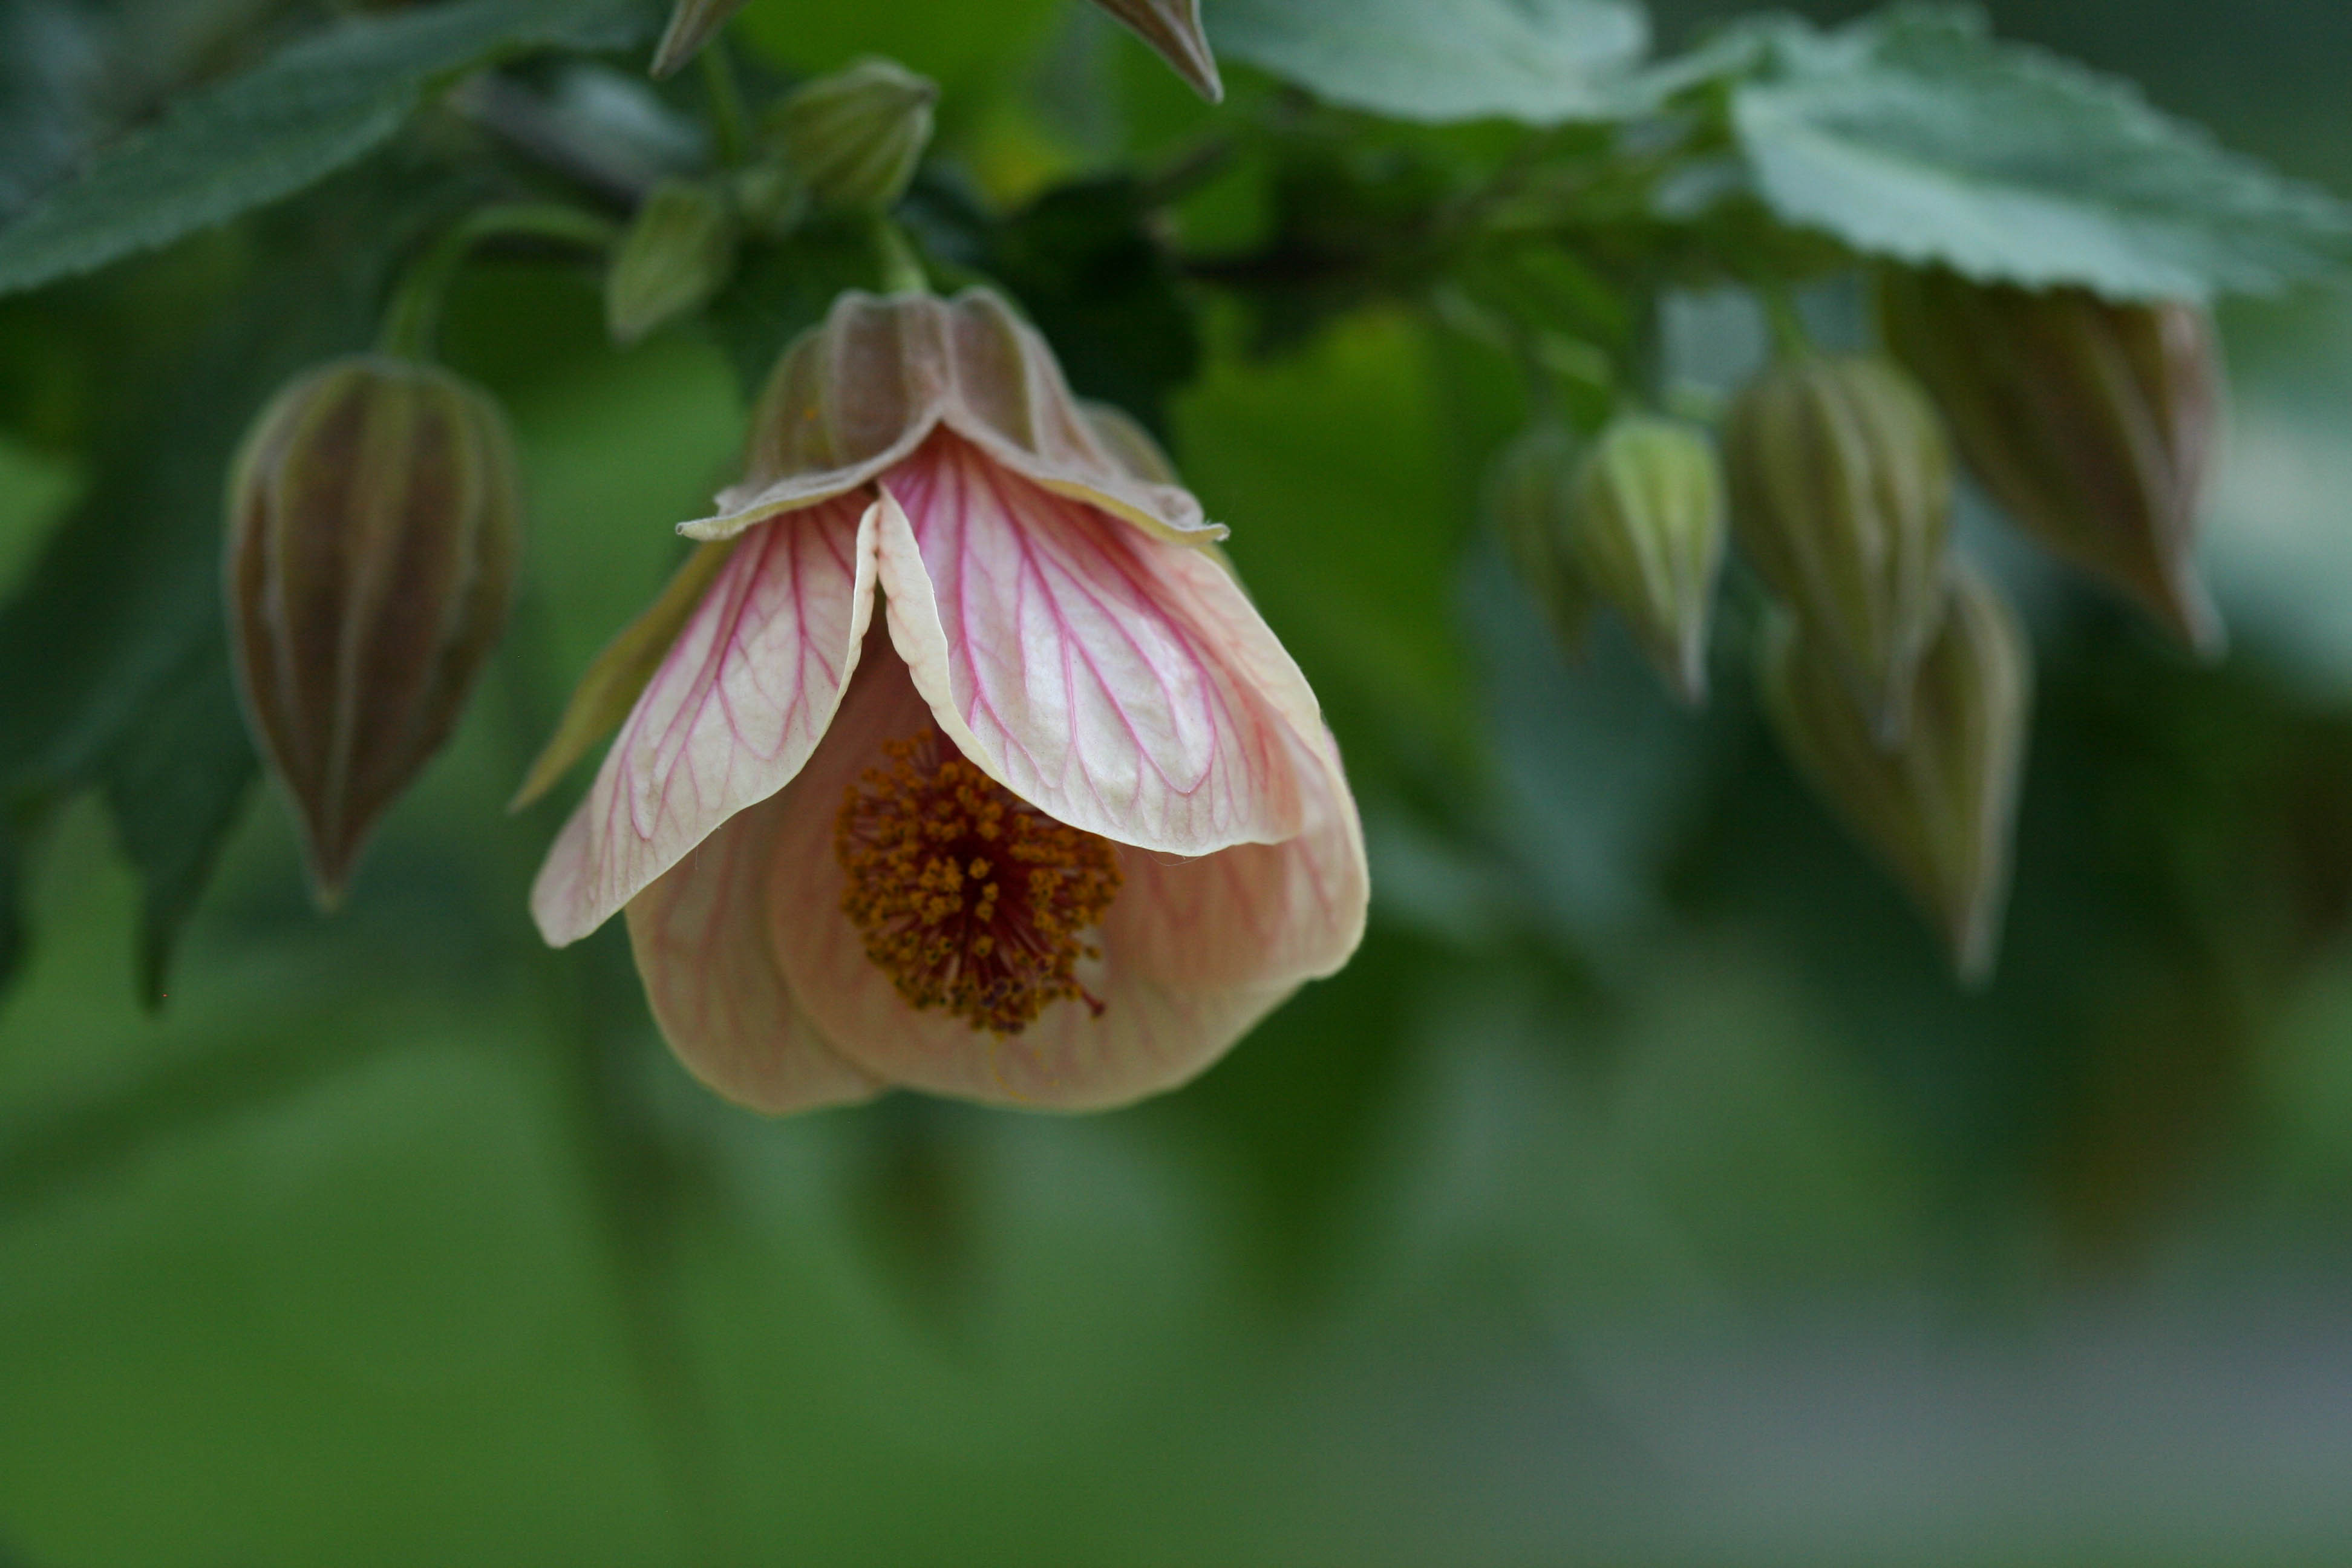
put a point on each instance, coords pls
(1938, 807)
(678, 252)
(1842, 496)
(1650, 535)
(374, 520)
(1531, 504)
(853, 139)
(2092, 422)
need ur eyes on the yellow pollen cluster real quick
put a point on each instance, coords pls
(968, 897)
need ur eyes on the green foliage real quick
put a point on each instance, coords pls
(1915, 136)
(1083, 262)
(1540, 61)
(315, 106)
(782, 287)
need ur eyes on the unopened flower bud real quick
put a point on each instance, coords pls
(855, 137)
(1531, 501)
(692, 24)
(1842, 495)
(1649, 536)
(2091, 422)
(1172, 27)
(373, 520)
(1938, 806)
(678, 251)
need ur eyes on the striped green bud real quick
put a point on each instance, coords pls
(1649, 536)
(1938, 807)
(853, 138)
(1842, 496)
(1531, 504)
(678, 251)
(2091, 422)
(374, 516)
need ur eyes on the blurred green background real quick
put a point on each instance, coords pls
(1642, 1195)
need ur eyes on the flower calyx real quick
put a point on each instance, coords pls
(375, 517)
(1531, 504)
(1938, 806)
(1649, 535)
(856, 395)
(850, 140)
(1841, 480)
(2091, 421)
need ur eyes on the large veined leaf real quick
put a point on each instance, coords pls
(310, 110)
(1542, 61)
(1915, 136)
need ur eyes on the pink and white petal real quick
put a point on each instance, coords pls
(1255, 917)
(728, 718)
(1169, 1013)
(700, 936)
(1063, 652)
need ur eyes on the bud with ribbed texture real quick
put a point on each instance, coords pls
(2091, 422)
(692, 24)
(1531, 501)
(373, 520)
(1938, 806)
(1842, 496)
(1172, 27)
(679, 250)
(1649, 536)
(853, 138)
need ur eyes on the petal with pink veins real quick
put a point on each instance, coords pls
(731, 716)
(1089, 667)
(700, 936)
(1193, 952)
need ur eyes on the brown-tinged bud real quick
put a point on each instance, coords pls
(2091, 422)
(678, 251)
(1172, 27)
(1649, 536)
(1938, 807)
(1531, 502)
(1842, 496)
(853, 138)
(374, 520)
(692, 24)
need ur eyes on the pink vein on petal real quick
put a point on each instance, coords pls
(1074, 668)
(730, 717)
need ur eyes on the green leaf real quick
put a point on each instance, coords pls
(1542, 61)
(1083, 263)
(312, 109)
(1916, 135)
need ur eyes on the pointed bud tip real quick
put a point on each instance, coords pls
(692, 24)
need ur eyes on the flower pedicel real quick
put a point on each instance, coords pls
(1055, 829)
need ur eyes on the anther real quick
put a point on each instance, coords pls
(968, 897)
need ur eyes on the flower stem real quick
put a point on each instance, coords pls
(1789, 338)
(894, 257)
(413, 321)
(727, 124)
